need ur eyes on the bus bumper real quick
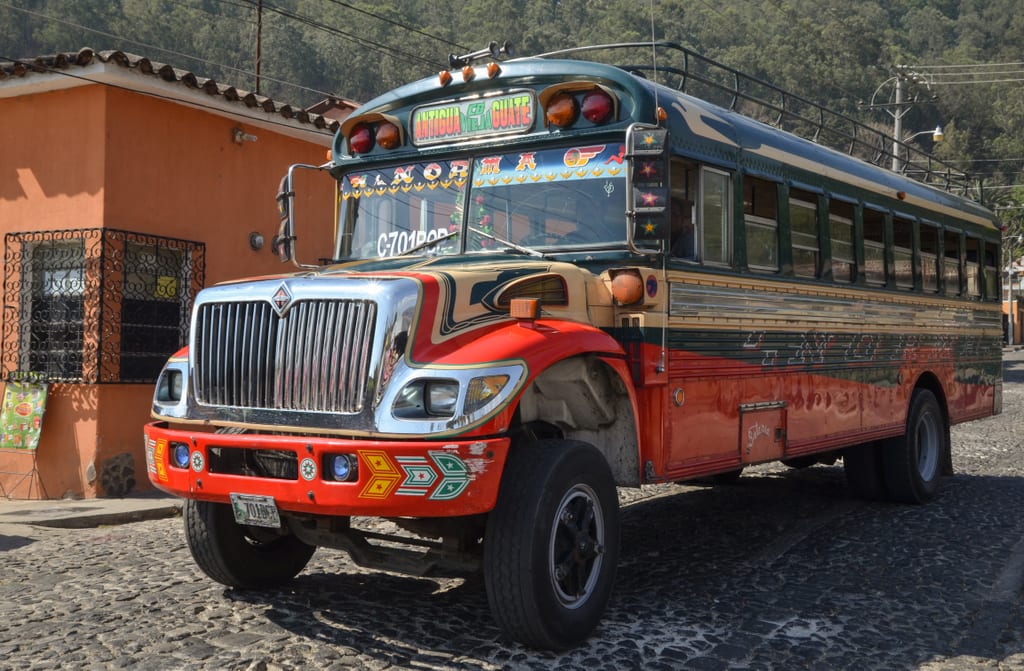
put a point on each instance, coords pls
(386, 478)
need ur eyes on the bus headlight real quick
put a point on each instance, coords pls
(168, 388)
(425, 398)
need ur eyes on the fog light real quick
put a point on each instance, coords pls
(179, 454)
(342, 467)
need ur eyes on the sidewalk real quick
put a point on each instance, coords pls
(85, 513)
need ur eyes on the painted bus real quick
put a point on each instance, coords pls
(551, 278)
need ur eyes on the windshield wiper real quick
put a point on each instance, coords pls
(510, 245)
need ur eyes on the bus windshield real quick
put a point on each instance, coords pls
(553, 200)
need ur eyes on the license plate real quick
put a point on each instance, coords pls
(256, 511)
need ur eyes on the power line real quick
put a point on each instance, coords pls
(375, 46)
(967, 65)
(160, 49)
(399, 24)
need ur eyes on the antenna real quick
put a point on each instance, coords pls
(654, 64)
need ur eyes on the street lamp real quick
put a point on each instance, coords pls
(937, 134)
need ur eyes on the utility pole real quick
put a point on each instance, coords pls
(897, 125)
(259, 40)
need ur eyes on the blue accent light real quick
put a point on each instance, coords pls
(180, 454)
(341, 467)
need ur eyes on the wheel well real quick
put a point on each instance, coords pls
(930, 382)
(582, 398)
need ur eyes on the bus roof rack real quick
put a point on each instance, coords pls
(721, 84)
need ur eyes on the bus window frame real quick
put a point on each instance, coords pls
(897, 282)
(726, 224)
(780, 205)
(815, 205)
(884, 245)
(853, 274)
(958, 289)
(935, 257)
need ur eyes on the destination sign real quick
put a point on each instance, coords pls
(468, 119)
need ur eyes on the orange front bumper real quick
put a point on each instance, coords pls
(394, 478)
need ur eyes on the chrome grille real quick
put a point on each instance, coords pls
(314, 358)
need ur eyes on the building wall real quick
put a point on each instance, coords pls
(96, 156)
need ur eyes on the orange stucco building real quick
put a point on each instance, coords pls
(126, 186)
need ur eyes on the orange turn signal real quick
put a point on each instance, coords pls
(628, 288)
(524, 309)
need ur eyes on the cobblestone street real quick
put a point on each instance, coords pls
(782, 570)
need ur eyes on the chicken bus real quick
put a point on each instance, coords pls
(553, 277)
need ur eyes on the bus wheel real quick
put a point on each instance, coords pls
(552, 544)
(863, 468)
(241, 556)
(912, 463)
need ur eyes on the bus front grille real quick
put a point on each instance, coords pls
(314, 358)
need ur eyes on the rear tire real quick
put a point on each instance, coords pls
(241, 556)
(912, 463)
(552, 544)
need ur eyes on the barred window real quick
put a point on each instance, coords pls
(97, 305)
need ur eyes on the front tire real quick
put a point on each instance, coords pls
(241, 556)
(552, 543)
(912, 463)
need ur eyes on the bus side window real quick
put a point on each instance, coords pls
(991, 273)
(874, 247)
(903, 251)
(803, 224)
(716, 215)
(840, 222)
(929, 257)
(683, 235)
(951, 262)
(760, 200)
(972, 268)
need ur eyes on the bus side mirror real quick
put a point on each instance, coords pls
(283, 243)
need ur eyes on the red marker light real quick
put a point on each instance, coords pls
(597, 107)
(360, 140)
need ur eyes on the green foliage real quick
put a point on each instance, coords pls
(834, 52)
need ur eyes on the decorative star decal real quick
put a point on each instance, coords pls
(649, 227)
(649, 199)
(648, 169)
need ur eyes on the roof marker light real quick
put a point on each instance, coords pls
(388, 136)
(561, 110)
(468, 74)
(493, 69)
(444, 77)
(597, 106)
(360, 140)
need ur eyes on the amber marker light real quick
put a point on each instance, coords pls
(524, 310)
(493, 69)
(628, 288)
(444, 77)
(468, 74)
(388, 136)
(662, 114)
(561, 111)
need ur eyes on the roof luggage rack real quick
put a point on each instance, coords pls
(723, 85)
